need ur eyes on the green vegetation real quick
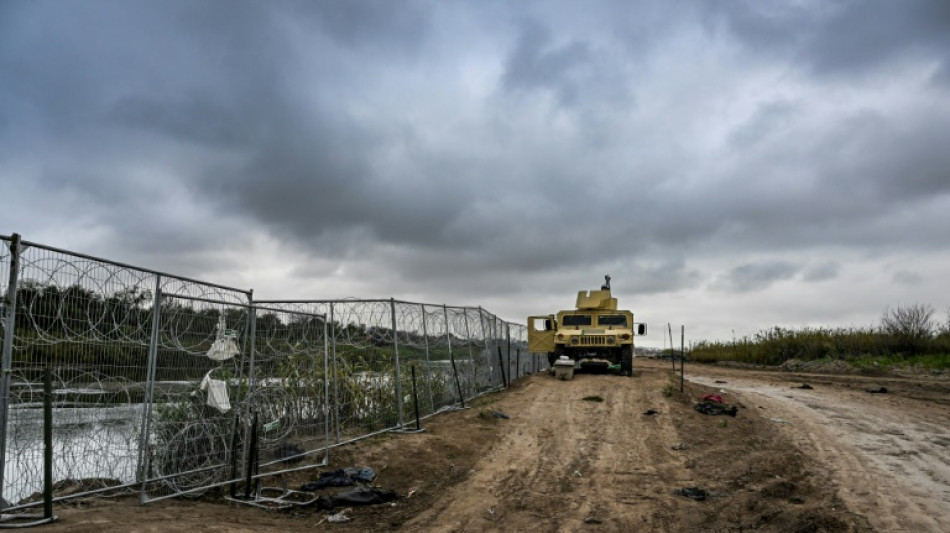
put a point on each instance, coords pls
(668, 390)
(906, 336)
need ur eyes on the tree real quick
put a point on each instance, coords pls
(910, 328)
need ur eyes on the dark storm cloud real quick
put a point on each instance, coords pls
(752, 277)
(537, 63)
(456, 146)
(368, 23)
(843, 37)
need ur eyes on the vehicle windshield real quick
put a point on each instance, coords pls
(612, 320)
(577, 320)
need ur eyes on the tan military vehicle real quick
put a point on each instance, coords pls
(595, 335)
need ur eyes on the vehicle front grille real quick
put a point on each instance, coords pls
(593, 340)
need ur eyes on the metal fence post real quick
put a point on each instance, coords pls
(392, 307)
(336, 374)
(425, 338)
(144, 456)
(326, 392)
(9, 307)
(251, 337)
(455, 370)
(508, 341)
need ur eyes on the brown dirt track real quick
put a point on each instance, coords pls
(833, 458)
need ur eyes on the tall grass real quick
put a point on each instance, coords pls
(858, 346)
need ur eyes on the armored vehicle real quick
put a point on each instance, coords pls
(595, 335)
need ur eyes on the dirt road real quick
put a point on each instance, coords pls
(889, 452)
(831, 458)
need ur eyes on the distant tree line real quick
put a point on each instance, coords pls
(78, 327)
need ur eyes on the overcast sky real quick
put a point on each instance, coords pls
(733, 165)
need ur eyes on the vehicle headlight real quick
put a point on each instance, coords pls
(560, 336)
(625, 337)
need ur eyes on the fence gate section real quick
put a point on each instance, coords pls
(234, 392)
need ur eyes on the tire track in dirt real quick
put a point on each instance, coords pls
(889, 455)
(564, 463)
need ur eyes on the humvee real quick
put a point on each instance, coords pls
(595, 335)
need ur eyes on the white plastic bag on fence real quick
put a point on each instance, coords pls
(224, 347)
(217, 393)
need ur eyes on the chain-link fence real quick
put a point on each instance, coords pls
(165, 385)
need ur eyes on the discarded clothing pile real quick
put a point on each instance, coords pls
(361, 495)
(712, 404)
(343, 477)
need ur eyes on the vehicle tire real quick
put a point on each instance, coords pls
(626, 361)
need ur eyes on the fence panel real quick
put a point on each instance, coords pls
(198, 381)
(289, 391)
(87, 321)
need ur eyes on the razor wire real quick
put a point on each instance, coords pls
(135, 355)
(88, 321)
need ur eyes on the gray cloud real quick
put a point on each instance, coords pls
(487, 149)
(753, 277)
(824, 271)
(906, 277)
(839, 38)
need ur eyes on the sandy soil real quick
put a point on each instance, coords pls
(831, 458)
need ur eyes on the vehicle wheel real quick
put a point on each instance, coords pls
(626, 360)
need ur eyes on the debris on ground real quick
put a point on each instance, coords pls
(343, 477)
(881, 390)
(651, 412)
(499, 414)
(720, 381)
(679, 446)
(805, 386)
(361, 495)
(338, 517)
(593, 520)
(693, 493)
(779, 420)
(713, 404)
